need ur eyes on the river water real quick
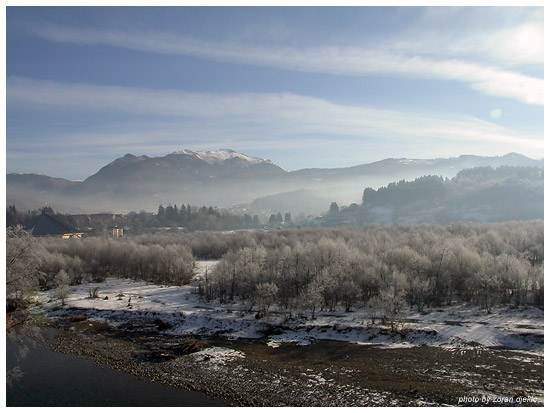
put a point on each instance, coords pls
(55, 379)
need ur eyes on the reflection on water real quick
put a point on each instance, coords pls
(54, 379)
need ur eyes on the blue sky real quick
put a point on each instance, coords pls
(302, 86)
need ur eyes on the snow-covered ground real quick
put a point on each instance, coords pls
(459, 326)
(216, 356)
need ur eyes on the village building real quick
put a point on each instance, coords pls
(115, 231)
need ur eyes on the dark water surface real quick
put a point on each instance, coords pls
(55, 379)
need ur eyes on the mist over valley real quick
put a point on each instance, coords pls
(230, 180)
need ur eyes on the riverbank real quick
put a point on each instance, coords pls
(183, 312)
(457, 355)
(325, 373)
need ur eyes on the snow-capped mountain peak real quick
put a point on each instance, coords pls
(220, 155)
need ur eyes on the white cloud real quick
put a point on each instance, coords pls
(521, 44)
(245, 116)
(509, 36)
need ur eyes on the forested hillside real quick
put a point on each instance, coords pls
(483, 194)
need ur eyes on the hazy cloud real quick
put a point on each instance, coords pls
(430, 59)
(245, 115)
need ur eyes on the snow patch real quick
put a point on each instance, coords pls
(221, 155)
(217, 355)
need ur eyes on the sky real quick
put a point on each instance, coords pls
(302, 86)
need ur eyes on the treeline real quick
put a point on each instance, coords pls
(276, 219)
(95, 258)
(384, 268)
(190, 218)
(437, 189)
(424, 189)
(16, 217)
(203, 218)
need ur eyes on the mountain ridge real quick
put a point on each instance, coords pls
(225, 178)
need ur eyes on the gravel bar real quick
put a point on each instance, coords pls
(330, 375)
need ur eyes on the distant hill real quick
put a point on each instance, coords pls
(226, 178)
(302, 201)
(41, 182)
(485, 194)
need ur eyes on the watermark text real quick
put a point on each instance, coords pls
(493, 399)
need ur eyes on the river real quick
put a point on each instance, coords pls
(55, 379)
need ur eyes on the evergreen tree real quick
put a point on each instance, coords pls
(169, 212)
(288, 218)
(368, 194)
(11, 216)
(47, 210)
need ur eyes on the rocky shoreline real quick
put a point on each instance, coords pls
(240, 382)
(334, 374)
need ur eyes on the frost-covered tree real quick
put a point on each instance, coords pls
(348, 292)
(23, 259)
(391, 299)
(326, 269)
(62, 286)
(310, 297)
(419, 288)
(264, 296)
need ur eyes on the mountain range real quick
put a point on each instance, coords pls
(226, 178)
